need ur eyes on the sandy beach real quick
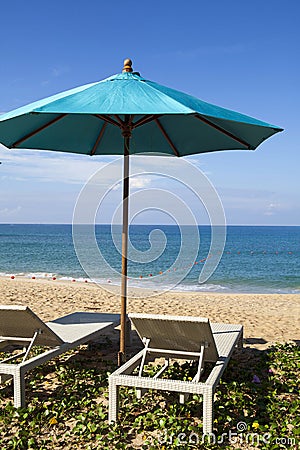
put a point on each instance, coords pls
(267, 318)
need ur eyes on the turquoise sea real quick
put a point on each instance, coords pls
(256, 259)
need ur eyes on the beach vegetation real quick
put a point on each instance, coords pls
(67, 406)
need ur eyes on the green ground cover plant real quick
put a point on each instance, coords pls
(256, 406)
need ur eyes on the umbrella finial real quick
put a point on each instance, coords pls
(127, 65)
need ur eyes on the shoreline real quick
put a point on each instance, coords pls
(110, 284)
(267, 318)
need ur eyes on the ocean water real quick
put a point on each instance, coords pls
(255, 259)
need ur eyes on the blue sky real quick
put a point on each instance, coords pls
(240, 55)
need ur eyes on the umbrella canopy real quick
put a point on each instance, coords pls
(88, 120)
(127, 114)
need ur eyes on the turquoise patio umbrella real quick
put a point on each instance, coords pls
(127, 114)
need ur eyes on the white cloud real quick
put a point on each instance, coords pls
(9, 212)
(139, 182)
(272, 209)
(39, 166)
(135, 183)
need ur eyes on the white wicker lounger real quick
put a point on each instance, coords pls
(186, 338)
(20, 326)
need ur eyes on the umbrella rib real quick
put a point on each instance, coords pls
(145, 120)
(107, 119)
(121, 122)
(222, 130)
(167, 137)
(33, 133)
(98, 139)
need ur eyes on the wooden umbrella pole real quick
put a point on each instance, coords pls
(126, 134)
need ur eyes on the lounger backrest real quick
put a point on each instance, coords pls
(176, 333)
(20, 322)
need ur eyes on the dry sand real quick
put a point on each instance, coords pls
(267, 318)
